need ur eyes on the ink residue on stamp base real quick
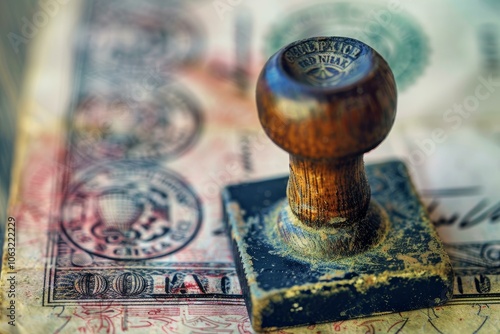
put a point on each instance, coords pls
(409, 269)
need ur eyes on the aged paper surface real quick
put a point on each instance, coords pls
(135, 115)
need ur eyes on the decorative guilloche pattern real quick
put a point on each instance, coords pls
(164, 124)
(128, 224)
(207, 48)
(399, 38)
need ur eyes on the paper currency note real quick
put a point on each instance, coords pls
(11, 74)
(138, 113)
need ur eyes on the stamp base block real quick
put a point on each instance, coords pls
(408, 269)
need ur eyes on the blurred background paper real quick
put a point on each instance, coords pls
(13, 54)
(131, 117)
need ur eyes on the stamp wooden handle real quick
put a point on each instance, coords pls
(326, 101)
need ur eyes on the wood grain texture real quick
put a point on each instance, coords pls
(326, 101)
(328, 191)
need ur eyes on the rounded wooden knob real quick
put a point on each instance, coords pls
(326, 97)
(326, 101)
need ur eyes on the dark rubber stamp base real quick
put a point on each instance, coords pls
(408, 269)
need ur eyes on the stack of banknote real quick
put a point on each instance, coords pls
(135, 114)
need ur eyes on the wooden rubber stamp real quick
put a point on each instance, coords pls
(332, 241)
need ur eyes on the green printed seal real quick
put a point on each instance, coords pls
(390, 31)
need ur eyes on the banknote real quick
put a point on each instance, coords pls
(136, 114)
(11, 76)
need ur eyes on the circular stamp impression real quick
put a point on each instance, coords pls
(165, 123)
(130, 211)
(396, 36)
(141, 35)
